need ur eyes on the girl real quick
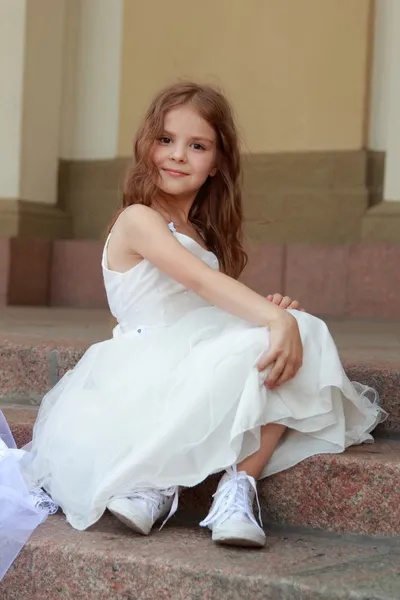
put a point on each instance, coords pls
(202, 374)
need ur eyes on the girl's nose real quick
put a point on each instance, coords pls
(178, 153)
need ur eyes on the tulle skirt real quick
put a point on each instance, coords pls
(163, 406)
(21, 509)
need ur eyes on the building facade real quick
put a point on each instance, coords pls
(315, 87)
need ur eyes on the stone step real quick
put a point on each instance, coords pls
(29, 368)
(181, 563)
(354, 492)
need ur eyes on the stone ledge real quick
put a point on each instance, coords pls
(353, 492)
(24, 271)
(23, 219)
(36, 272)
(180, 562)
(375, 175)
(76, 275)
(343, 280)
(29, 368)
(328, 280)
(288, 197)
(382, 223)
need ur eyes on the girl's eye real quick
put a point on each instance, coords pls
(198, 147)
(165, 140)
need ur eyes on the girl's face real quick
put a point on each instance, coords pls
(186, 153)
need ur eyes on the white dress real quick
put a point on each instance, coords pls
(175, 395)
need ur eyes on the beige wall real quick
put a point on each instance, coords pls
(295, 70)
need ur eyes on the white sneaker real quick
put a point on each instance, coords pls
(144, 507)
(231, 518)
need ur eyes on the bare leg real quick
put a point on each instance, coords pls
(269, 438)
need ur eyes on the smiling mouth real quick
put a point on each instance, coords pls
(175, 173)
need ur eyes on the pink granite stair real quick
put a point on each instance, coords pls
(354, 492)
(30, 367)
(345, 506)
(180, 562)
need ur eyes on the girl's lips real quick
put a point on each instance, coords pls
(175, 173)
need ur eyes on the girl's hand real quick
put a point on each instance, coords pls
(286, 351)
(284, 302)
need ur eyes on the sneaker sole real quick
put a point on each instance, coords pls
(128, 518)
(226, 538)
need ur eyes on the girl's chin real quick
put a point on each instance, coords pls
(177, 190)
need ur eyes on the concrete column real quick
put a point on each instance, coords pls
(392, 171)
(12, 47)
(380, 78)
(385, 93)
(31, 49)
(382, 222)
(89, 166)
(91, 86)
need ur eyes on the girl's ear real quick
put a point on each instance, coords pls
(213, 172)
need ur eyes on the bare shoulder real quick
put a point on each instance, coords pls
(134, 224)
(138, 226)
(137, 218)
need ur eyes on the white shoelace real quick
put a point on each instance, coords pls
(39, 497)
(43, 500)
(155, 497)
(233, 496)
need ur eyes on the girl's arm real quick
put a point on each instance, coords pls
(142, 232)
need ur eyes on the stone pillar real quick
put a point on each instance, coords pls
(383, 220)
(392, 170)
(31, 50)
(91, 81)
(89, 169)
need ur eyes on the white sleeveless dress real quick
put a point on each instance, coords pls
(175, 395)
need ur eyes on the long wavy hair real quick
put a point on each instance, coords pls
(217, 211)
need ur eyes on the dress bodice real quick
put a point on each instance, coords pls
(145, 297)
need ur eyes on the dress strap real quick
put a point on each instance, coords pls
(172, 227)
(104, 261)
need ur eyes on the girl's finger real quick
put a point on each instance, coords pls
(295, 305)
(276, 372)
(287, 374)
(286, 302)
(277, 298)
(266, 360)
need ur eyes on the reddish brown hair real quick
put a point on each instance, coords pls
(217, 209)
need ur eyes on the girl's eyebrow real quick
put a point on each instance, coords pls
(196, 138)
(203, 139)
